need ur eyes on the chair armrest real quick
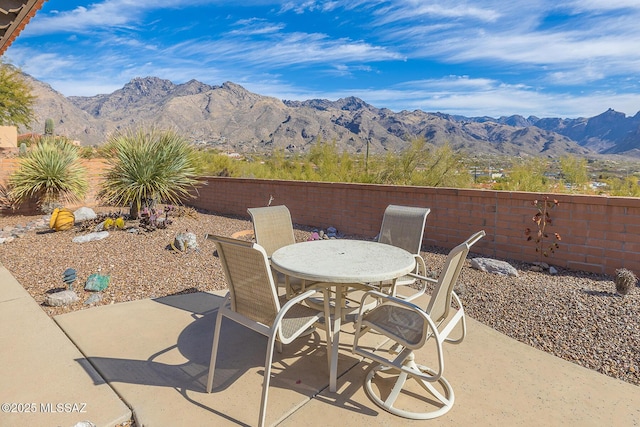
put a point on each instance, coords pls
(425, 278)
(277, 323)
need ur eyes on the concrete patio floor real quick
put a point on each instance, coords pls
(153, 355)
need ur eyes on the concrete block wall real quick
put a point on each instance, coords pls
(599, 233)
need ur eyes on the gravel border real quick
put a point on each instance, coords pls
(574, 315)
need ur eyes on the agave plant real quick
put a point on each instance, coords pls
(146, 167)
(50, 172)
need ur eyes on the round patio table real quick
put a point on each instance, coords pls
(341, 264)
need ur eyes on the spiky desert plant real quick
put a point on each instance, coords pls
(6, 198)
(625, 281)
(48, 127)
(51, 173)
(147, 166)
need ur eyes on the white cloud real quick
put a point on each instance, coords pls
(603, 5)
(286, 50)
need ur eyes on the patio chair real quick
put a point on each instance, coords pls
(273, 229)
(403, 226)
(408, 328)
(253, 302)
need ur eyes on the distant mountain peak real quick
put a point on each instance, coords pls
(244, 121)
(146, 86)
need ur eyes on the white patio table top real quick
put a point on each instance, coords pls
(339, 264)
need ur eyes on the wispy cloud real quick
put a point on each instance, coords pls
(286, 50)
(480, 56)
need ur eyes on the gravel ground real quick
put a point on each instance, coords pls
(574, 315)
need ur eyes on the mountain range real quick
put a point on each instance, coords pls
(231, 118)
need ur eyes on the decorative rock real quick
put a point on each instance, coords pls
(84, 424)
(61, 219)
(93, 298)
(553, 270)
(84, 213)
(314, 236)
(61, 298)
(494, 266)
(542, 265)
(185, 241)
(69, 276)
(332, 232)
(99, 235)
(97, 282)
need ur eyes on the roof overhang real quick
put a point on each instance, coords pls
(14, 16)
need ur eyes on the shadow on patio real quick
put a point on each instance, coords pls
(155, 354)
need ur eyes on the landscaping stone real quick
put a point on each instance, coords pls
(97, 282)
(61, 298)
(494, 266)
(332, 232)
(99, 235)
(84, 213)
(93, 298)
(185, 241)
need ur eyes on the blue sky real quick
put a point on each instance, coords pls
(572, 58)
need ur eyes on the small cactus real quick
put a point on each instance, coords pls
(22, 150)
(108, 223)
(625, 281)
(48, 127)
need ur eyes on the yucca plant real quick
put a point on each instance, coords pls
(147, 166)
(51, 172)
(6, 198)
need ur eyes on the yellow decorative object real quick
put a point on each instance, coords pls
(108, 223)
(62, 219)
(119, 223)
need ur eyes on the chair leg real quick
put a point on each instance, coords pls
(214, 350)
(267, 378)
(446, 400)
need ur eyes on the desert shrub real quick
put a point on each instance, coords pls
(625, 281)
(527, 175)
(50, 172)
(148, 166)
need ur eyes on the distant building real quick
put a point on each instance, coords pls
(8, 137)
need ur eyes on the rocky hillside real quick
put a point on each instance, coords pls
(233, 119)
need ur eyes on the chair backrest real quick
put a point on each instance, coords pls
(403, 227)
(246, 267)
(272, 227)
(440, 302)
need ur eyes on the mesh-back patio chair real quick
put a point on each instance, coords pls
(253, 302)
(273, 229)
(408, 328)
(403, 226)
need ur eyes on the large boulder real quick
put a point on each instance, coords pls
(494, 266)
